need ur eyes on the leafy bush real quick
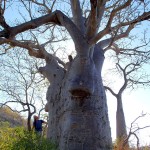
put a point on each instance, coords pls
(4, 124)
(20, 139)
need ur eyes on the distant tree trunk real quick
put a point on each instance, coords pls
(78, 117)
(120, 120)
(29, 127)
(121, 132)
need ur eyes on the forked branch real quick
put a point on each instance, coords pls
(110, 29)
(56, 17)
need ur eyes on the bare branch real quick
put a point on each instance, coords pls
(123, 87)
(27, 45)
(49, 10)
(110, 90)
(92, 20)
(108, 30)
(114, 11)
(34, 50)
(5, 103)
(109, 43)
(100, 10)
(133, 131)
(56, 17)
(77, 15)
(95, 17)
(2, 19)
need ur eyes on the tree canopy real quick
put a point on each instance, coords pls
(99, 21)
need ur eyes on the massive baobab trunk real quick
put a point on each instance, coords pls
(77, 104)
(76, 97)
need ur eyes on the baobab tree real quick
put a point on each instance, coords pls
(76, 101)
(131, 76)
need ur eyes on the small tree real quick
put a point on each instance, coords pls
(19, 84)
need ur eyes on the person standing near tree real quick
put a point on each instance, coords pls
(37, 125)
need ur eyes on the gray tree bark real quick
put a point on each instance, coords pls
(78, 116)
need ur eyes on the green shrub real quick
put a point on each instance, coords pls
(20, 139)
(4, 124)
